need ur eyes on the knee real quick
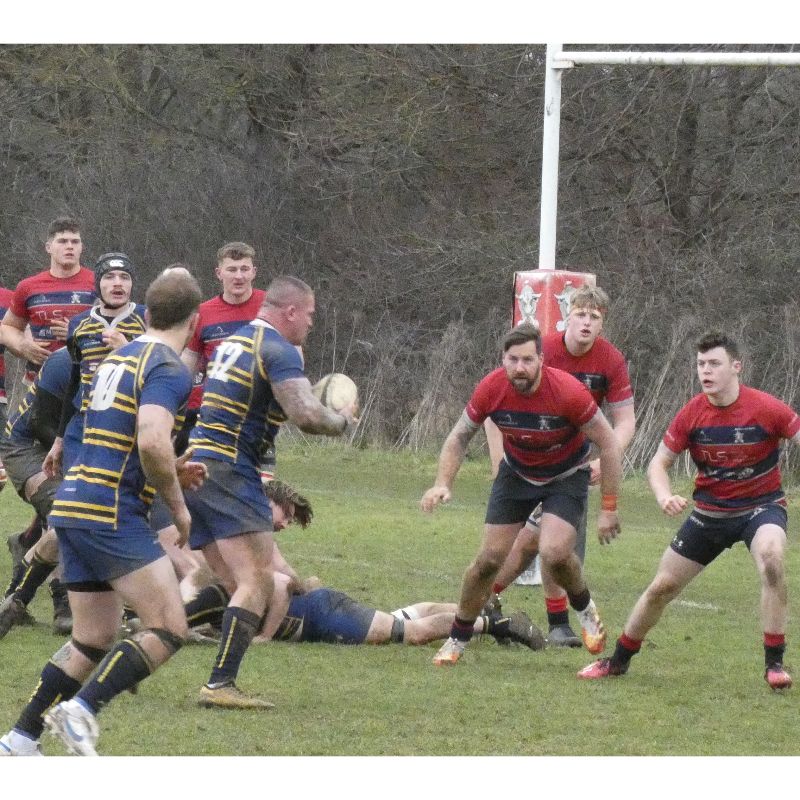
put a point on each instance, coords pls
(488, 563)
(662, 590)
(771, 566)
(554, 555)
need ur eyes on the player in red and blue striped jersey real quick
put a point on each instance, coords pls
(583, 353)
(5, 302)
(547, 419)
(49, 299)
(733, 434)
(237, 304)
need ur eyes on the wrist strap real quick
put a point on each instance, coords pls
(608, 502)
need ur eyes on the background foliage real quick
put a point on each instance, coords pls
(402, 182)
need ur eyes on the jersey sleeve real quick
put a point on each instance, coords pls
(677, 436)
(619, 381)
(478, 408)
(19, 301)
(787, 422)
(281, 360)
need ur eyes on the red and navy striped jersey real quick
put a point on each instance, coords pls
(42, 298)
(735, 448)
(238, 396)
(602, 370)
(5, 303)
(85, 341)
(542, 440)
(218, 320)
(106, 488)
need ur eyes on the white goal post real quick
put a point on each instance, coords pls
(558, 60)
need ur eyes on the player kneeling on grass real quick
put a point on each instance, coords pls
(733, 435)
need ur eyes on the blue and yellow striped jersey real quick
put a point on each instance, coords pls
(106, 488)
(86, 345)
(53, 377)
(238, 397)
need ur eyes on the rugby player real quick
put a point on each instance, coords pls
(100, 513)
(733, 434)
(231, 518)
(547, 419)
(596, 363)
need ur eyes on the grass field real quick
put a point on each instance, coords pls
(696, 689)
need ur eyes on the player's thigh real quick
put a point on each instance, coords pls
(674, 572)
(248, 555)
(380, 629)
(153, 591)
(768, 546)
(556, 538)
(95, 617)
(497, 541)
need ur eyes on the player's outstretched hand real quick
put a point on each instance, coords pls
(608, 527)
(673, 505)
(191, 474)
(434, 496)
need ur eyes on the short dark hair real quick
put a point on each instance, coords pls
(63, 224)
(172, 297)
(236, 251)
(711, 339)
(284, 495)
(526, 332)
(285, 290)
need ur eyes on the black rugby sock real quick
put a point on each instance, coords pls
(54, 686)
(16, 576)
(121, 669)
(33, 578)
(239, 626)
(208, 607)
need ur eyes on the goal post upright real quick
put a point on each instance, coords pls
(557, 60)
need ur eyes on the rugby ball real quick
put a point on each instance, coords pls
(335, 391)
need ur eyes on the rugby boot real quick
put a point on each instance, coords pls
(12, 612)
(229, 695)
(449, 652)
(75, 725)
(522, 630)
(592, 630)
(15, 744)
(563, 636)
(604, 668)
(777, 677)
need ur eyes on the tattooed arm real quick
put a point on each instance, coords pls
(305, 411)
(450, 459)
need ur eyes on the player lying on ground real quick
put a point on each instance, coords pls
(327, 615)
(298, 613)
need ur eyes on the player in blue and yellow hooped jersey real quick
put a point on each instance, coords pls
(91, 336)
(26, 439)
(101, 517)
(231, 519)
